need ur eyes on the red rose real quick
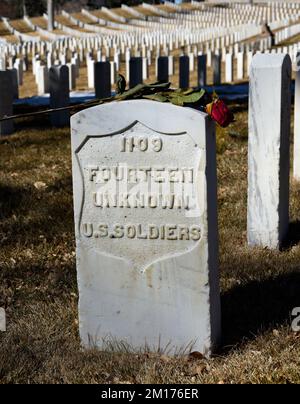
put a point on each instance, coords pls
(220, 113)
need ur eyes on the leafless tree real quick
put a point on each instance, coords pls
(50, 8)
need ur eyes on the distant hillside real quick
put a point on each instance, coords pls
(7, 8)
(14, 8)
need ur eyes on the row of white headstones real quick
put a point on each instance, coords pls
(71, 52)
(221, 33)
(205, 17)
(221, 40)
(63, 51)
(41, 70)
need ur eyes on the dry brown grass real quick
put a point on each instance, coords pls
(38, 278)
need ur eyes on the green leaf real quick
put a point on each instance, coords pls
(194, 97)
(156, 97)
(188, 91)
(160, 92)
(158, 85)
(177, 100)
(132, 92)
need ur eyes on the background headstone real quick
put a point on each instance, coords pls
(102, 80)
(268, 155)
(135, 71)
(163, 69)
(6, 101)
(202, 60)
(228, 68)
(43, 80)
(59, 95)
(184, 72)
(216, 65)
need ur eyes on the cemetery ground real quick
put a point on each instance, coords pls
(38, 285)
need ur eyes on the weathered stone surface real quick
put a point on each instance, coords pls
(144, 177)
(268, 156)
(229, 68)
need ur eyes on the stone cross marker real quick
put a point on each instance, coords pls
(144, 178)
(268, 155)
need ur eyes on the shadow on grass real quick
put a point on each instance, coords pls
(255, 307)
(34, 122)
(23, 139)
(247, 310)
(27, 212)
(12, 199)
(293, 237)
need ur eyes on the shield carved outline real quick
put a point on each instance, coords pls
(150, 256)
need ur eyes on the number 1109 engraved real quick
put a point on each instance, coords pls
(142, 144)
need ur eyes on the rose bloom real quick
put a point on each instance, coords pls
(220, 113)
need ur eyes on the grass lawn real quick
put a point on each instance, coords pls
(38, 277)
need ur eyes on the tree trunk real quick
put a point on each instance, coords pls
(50, 7)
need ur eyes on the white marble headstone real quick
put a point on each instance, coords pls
(144, 178)
(268, 150)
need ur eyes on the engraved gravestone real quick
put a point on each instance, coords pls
(144, 178)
